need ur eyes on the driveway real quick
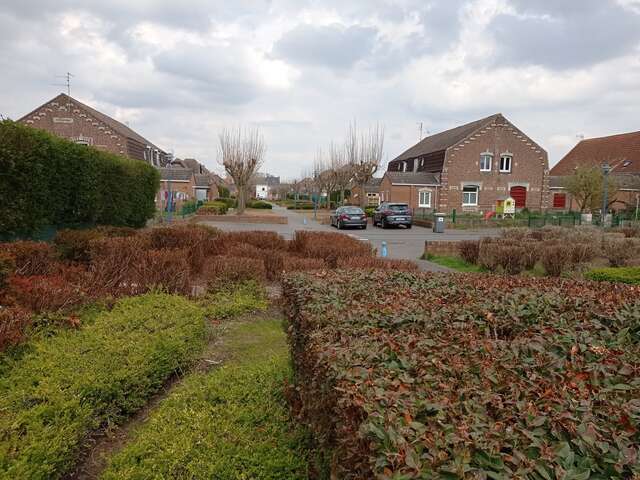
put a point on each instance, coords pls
(401, 243)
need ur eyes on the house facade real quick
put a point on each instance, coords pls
(621, 152)
(469, 168)
(371, 191)
(71, 119)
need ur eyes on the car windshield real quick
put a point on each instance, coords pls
(352, 211)
(397, 207)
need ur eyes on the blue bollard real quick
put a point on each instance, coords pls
(383, 250)
(304, 220)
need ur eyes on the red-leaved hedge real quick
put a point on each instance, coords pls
(410, 376)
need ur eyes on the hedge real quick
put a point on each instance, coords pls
(49, 181)
(405, 376)
(259, 204)
(69, 385)
(630, 275)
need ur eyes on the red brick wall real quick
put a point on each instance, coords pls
(405, 193)
(529, 168)
(68, 121)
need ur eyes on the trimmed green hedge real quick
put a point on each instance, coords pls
(629, 275)
(69, 385)
(46, 180)
(260, 204)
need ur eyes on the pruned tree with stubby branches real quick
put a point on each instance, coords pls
(586, 187)
(342, 171)
(242, 153)
(364, 154)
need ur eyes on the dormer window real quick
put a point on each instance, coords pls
(486, 159)
(505, 162)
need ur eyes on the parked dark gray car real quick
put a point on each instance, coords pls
(345, 217)
(389, 214)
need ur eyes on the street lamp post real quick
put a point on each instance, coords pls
(606, 168)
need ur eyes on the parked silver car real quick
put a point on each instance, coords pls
(345, 217)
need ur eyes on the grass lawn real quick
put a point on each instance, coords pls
(229, 423)
(454, 263)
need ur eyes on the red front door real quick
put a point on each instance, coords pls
(519, 194)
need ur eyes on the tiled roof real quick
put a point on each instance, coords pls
(373, 186)
(202, 180)
(179, 174)
(412, 178)
(443, 140)
(622, 152)
(624, 181)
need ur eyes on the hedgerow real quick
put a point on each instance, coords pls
(51, 181)
(629, 275)
(469, 376)
(69, 385)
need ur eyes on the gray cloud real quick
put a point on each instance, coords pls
(333, 46)
(562, 34)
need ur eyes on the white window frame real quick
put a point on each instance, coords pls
(476, 192)
(483, 157)
(422, 204)
(503, 158)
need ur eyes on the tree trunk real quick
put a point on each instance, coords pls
(242, 195)
(363, 196)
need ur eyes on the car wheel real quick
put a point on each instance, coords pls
(384, 223)
(409, 226)
(364, 227)
(339, 225)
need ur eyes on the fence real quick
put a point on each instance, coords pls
(531, 220)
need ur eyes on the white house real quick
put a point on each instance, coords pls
(262, 192)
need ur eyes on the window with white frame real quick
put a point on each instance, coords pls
(470, 196)
(486, 159)
(424, 199)
(505, 163)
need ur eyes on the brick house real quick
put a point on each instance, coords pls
(469, 168)
(180, 181)
(621, 152)
(69, 118)
(371, 191)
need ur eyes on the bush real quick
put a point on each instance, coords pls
(301, 205)
(229, 202)
(510, 258)
(51, 181)
(7, 267)
(259, 204)
(368, 263)
(31, 258)
(221, 271)
(61, 291)
(13, 324)
(111, 231)
(75, 245)
(369, 211)
(583, 252)
(259, 239)
(213, 208)
(630, 275)
(469, 251)
(487, 255)
(330, 247)
(629, 232)
(430, 376)
(69, 385)
(555, 258)
(620, 251)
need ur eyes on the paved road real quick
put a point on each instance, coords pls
(401, 243)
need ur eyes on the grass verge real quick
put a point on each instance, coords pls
(231, 423)
(67, 386)
(454, 263)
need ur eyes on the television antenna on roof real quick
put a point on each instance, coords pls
(67, 82)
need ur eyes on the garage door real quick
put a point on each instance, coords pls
(519, 194)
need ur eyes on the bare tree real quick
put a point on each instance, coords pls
(341, 168)
(364, 154)
(242, 153)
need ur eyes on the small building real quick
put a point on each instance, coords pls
(266, 186)
(69, 118)
(468, 168)
(621, 152)
(371, 191)
(180, 182)
(418, 189)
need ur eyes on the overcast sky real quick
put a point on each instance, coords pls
(301, 70)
